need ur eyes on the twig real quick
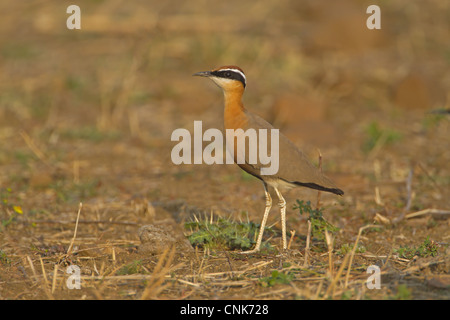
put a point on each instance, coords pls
(308, 237)
(426, 264)
(55, 273)
(291, 238)
(378, 200)
(161, 269)
(32, 268)
(373, 256)
(338, 275)
(354, 250)
(33, 147)
(329, 239)
(408, 197)
(308, 240)
(69, 250)
(421, 166)
(188, 283)
(226, 273)
(381, 141)
(45, 284)
(43, 271)
(434, 212)
(126, 223)
(319, 288)
(409, 190)
(381, 219)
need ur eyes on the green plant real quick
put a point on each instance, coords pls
(223, 233)
(346, 248)
(318, 223)
(4, 259)
(347, 295)
(427, 248)
(91, 134)
(24, 158)
(403, 293)
(276, 277)
(432, 121)
(132, 268)
(69, 191)
(8, 210)
(377, 136)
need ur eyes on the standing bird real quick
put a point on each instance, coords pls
(294, 168)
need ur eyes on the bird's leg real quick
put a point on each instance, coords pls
(263, 223)
(282, 204)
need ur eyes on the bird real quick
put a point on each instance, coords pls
(295, 170)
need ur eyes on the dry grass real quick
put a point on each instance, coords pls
(86, 117)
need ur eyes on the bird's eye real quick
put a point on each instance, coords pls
(227, 74)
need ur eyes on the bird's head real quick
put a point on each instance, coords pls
(228, 77)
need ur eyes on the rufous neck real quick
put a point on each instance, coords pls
(233, 99)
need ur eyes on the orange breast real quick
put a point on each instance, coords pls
(235, 118)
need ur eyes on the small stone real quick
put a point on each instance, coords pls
(156, 239)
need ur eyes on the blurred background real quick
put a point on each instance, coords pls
(86, 115)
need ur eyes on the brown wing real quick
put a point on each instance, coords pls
(294, 166)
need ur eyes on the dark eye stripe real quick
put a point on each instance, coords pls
(230, 74)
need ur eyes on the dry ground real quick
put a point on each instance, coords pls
(86, 117)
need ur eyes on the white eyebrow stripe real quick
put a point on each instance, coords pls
(235, 70)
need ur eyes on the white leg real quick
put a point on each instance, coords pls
(282, 204)
(263, 223)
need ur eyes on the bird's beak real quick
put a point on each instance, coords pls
(203, 74)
